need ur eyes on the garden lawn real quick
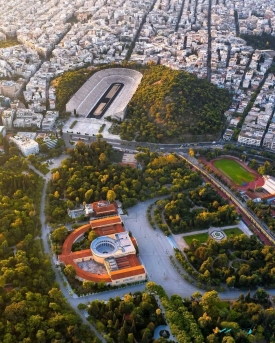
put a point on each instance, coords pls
(201, 237)
(235, 231)
(234, 171)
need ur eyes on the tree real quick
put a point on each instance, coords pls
(101, 284)
(253, 164)
(261, 296)
(231, 325)
(69, 271)
(230, 281)
(121, 335)
(212, 338)
(191, 152)
(88, 285)
(196, 295)
(158, 311)
(88, 194)
(40, 336)
(266, 169)
(56, 176)
(111, 195)
(44, 148)
(146, 335)
(209, 303)
(92, 236)
(59, 235)
(204, 321)
(228, 339)
(102, 158)
(82, 306)
(130, 338)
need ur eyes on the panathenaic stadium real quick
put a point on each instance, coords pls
(106, 93)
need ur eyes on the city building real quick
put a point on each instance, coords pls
(26, 145)
(100, 208)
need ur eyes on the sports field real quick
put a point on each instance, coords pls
(234, 171)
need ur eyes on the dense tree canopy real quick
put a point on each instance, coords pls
(265, 212)
(84, 176)
(205, 318)
(171, 105)
(32, 308)
(262, 42)
(198, 209)
(238, 261)
(124, 320)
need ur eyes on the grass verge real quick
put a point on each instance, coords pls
(235, 231)
(201, 237)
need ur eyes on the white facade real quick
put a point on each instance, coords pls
(250, 139)
(115, 245)
(27, 146)
(49, 120)
(269, 184)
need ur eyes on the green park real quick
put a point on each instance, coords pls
(202, 237)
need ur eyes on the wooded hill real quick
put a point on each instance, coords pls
(171, 105)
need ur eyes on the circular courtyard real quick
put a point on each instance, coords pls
(103, 247)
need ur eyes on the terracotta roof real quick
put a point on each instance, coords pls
(109, 230)
(127, 261)
(132, 271)
(105, 222)
(69, 259)
(102, 227)
(107, 208)
(74, 255)
(67, 245)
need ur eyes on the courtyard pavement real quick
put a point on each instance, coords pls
(89, 126)
(154, 251)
